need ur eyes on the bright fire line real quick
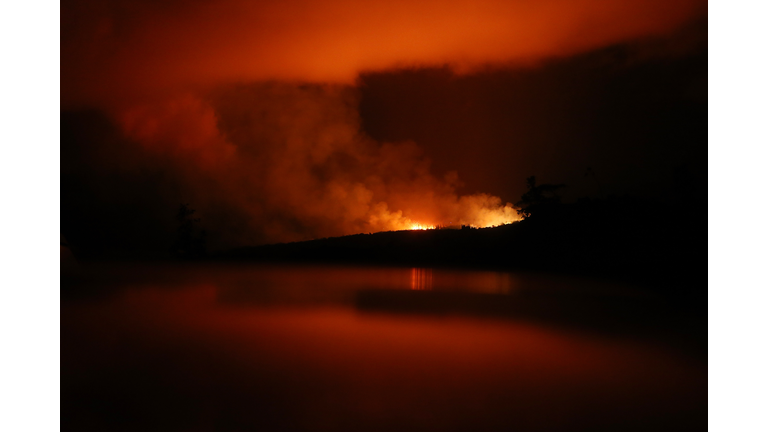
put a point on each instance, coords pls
(421, 227)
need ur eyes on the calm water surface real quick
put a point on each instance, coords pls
(355, 349)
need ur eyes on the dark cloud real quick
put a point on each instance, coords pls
(632, 113)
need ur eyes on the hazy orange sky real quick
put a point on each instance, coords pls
(298, 119)
(118, 50)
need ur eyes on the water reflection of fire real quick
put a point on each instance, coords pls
(421, 279)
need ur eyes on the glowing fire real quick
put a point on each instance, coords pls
(417, 226)
(476, 211)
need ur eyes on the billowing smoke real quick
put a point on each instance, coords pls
(292, 162)
(274, 161)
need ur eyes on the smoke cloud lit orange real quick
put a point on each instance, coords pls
(294, 160)
(253, 105)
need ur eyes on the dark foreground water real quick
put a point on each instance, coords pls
(366, 349)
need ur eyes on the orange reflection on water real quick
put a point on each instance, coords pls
(421, 279)
(195, 353)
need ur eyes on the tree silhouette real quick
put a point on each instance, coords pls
(190, 238)
(539, 198)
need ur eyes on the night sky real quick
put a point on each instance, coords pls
(293, 120)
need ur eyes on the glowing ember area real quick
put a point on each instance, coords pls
(422, 227)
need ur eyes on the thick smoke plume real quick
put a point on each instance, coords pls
(276, 161)
(292, 163)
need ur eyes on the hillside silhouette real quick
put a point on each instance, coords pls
(659, 245)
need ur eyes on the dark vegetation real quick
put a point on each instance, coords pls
(658, 240)
(661, 246)
(657, 248)
(190, 240)
(539, 199)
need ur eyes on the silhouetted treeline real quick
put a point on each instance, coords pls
(660, 241)
(108, 209)
(539, 199)
(190, 240)
(662, 246)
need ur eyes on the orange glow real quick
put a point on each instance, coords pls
(286, 147)
(421, 227)
(111, 53)
(421, 279)
(368, 365)
(252, 108)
